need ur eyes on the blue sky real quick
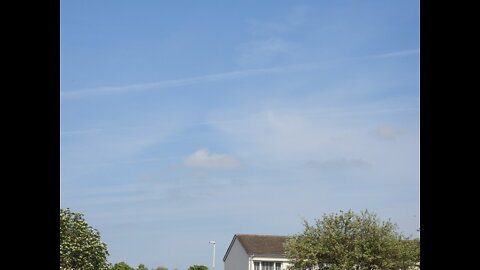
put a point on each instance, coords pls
(189, 121)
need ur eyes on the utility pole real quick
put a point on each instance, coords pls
(213, 264)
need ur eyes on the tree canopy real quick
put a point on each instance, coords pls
(80, 244)
(121, 266)
(351, 241)
(198, 267)
(141, 267)
(161, 268)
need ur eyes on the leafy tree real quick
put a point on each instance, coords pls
(141, 267)
(349, 241)
(198, 267)
(122, 266)
(161, 268)
(80, 244)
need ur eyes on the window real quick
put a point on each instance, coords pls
(267, 265)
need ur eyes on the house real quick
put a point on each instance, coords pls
(256, 252)
(259, 252)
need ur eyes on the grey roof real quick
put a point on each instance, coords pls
(260, 244)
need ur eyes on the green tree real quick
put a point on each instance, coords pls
(350, 241)
(161, 268)
(141, 267)
(198, 267)
(122, 266)
(80, 244)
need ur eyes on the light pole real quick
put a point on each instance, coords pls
(213, 242)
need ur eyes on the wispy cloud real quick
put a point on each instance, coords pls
(262, 52)
(338, 164)
(267, 47)
(387, 132)
(333, 137)
(153, 179)
(394, 54)
(295, 17)
(79, 132)
(187, 81)
(203, 159)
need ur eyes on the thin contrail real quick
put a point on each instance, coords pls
(218, 76)
(399, 53)
(187, 81)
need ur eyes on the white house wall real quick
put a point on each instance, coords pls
(237, 258)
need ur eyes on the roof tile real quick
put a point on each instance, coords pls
(262, 244)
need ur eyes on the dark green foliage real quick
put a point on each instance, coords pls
(198, 267)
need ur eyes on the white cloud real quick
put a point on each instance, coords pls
(276, 134)
(268, 135)
(203, 159)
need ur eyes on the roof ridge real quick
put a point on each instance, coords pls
(261, 234)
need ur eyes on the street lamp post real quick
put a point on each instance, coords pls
(213, 264)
